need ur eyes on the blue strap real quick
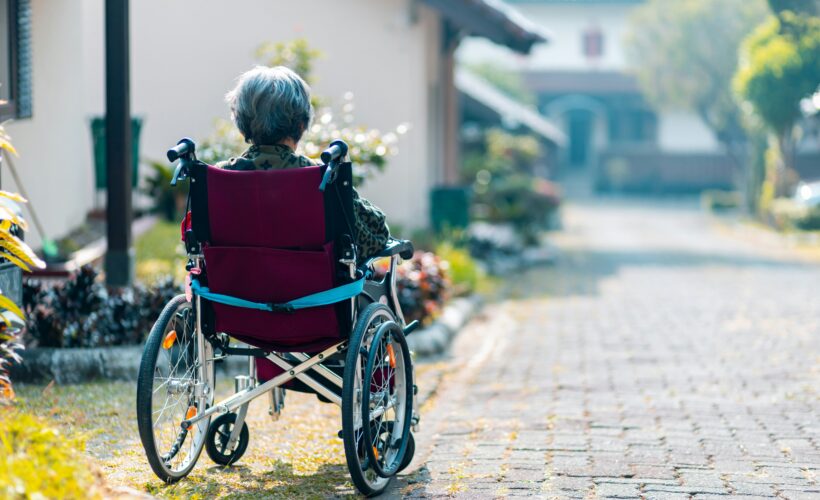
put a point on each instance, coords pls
(324, 298)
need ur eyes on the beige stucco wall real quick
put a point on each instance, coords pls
(185, 54)
(55, 146)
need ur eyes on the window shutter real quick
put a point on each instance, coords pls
(23, 95)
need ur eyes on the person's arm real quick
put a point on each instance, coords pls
(371, 226)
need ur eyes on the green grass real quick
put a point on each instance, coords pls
(299, 456)
(160, 252)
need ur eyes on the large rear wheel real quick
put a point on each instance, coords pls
(377, 400)
(176, 381)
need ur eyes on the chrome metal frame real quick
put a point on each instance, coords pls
(244, 396)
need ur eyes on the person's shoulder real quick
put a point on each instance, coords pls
(236, 163)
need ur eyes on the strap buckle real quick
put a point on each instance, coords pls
(285, 308)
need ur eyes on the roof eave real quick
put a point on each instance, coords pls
(494, 20)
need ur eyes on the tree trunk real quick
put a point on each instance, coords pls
(785, 162)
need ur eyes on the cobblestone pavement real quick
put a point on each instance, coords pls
(659, 358)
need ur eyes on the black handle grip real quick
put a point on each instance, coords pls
(336, 151)
(183, 148)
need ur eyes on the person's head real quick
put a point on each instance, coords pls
(270, 105)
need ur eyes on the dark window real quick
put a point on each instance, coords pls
(593, 43)
(15, 59)
(632, 126)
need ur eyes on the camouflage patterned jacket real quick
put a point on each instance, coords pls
(371, 224)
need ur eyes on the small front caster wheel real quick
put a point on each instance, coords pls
(219, 433)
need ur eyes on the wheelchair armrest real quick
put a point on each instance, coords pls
(403, 248)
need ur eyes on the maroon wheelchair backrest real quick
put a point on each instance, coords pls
(272, 236)
(266, 208)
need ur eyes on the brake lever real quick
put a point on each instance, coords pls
(180, 172)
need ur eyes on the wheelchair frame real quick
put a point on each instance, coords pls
(241, 398)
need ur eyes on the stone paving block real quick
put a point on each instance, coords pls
(524, 475)
(613, 490)
(761, 490)
(701, 479)
(662, 495)
(650, 488)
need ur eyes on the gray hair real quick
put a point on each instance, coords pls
(269, 105)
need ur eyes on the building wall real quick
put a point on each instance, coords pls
(55, 163)
(567, 22)
(185, 55)
(685, 132)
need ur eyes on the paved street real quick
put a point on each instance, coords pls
(660, 357)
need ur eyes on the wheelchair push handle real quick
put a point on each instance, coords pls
(332, 157)
(183, 148)
(335, 152)
(184, 151)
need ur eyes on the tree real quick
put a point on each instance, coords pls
(780, 67)
(809, 7)
(684, 55)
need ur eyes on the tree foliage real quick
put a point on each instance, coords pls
(684, 54)
(781, 66)
(504, 80)
(810, 7)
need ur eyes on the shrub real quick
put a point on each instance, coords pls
(169, 201)
(423, 285)
(9, 345)
(810, 220)
(370, 149)
(521, 200)
(464, 272)
(719, 201)
(14, 250)
(36, 461)
(82, 312)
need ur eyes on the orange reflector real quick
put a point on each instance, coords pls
(375, 453)
(391, 355)
(191, 413)
(169, 339)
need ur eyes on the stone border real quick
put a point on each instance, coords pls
(435, 338)
(75, 365)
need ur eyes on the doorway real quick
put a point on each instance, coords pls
(580, 137)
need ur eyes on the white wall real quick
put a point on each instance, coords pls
(680, 132)
(55, 161)
(185, 55)
(566, 23)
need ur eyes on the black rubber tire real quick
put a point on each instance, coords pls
(389, 328)
(409, 452)
(145, 381)
(222, 427)
(349, 405)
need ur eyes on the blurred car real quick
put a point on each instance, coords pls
(807, 194)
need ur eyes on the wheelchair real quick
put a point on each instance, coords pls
(272, 264)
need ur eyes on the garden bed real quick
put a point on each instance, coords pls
(85, 245)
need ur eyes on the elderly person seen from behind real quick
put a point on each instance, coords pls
(271, 108)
